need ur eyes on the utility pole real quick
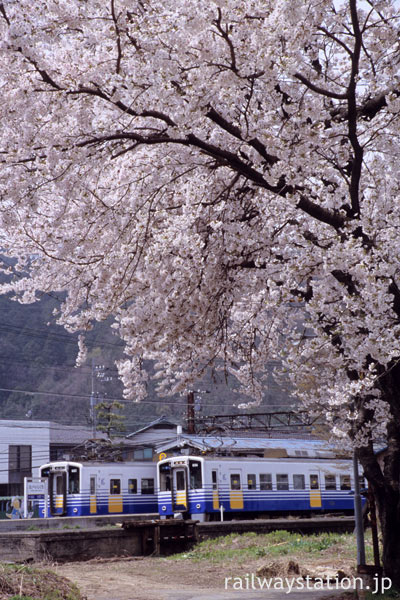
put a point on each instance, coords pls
(98, 372)
(358, 514)
(93, 398)
(190, 412)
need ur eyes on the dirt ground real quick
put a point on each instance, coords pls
(157, 578)
(142, 579)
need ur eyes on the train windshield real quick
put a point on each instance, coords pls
(165, 477)
(73, 480)
(196, 481)
(45, 472)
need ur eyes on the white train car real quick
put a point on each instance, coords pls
(95, 488)
(200, 486)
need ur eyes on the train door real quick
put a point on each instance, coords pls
(215, 491)
(179, 489)
(315, 489)
(58, 493)
(93, 494)
(236, 489)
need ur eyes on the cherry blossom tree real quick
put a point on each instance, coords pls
(223, 178)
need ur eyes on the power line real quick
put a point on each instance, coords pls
(52, 336)
(42, 366)
(165, 401)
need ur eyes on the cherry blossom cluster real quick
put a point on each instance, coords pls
(222, 178)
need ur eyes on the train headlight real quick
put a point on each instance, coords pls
(75, 510)
(198, 505)
(163, 508)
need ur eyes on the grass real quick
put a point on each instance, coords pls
(277, 544)
(242, 554)
(28, 583)
(388, 595)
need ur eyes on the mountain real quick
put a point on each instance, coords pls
(39, 379)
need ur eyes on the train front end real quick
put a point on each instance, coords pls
(64, 489)
(180, 483)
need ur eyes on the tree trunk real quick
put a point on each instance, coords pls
(384, 477)
(389, 515)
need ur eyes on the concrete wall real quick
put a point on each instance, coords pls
(139, 538)
(69, 545)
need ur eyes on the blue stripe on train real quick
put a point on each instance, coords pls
(254, 502)
(80, 506)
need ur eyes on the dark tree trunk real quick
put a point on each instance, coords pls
(389, 515)
(383, 474)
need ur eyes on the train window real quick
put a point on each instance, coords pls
(180, 480)
(251, 482)
(362, 483)
(45, 472)
(59, 484)
(73, 479)
(93, 485)
(265, 481)
(345, 482)
(195, 474)
(314, 482)
(299, 482)
(282, 482)
(235, 481)
(214, 480)
(330, 482)
(148, 486)
(115, 486)
(165, 478)
(132, 486)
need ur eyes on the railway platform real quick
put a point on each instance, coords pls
(139, 537)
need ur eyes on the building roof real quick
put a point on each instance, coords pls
(234, 445)
(162, 422)
(72, 434)
(58, 434)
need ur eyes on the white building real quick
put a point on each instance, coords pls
(26, 445)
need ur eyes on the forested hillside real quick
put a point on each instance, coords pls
(39, 379)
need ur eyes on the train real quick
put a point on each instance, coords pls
(96, 488)
(200, 487)
(205, 487)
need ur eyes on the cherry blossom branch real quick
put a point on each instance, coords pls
(218, 119)
(352, 113)
(4, 14)
(319, 90)
(224, 33)
(118, 36)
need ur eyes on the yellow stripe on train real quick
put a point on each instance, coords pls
(215, 500)
(93, 505)
(115, 504)
(181, 499)
(236, 500)
(315, 499)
